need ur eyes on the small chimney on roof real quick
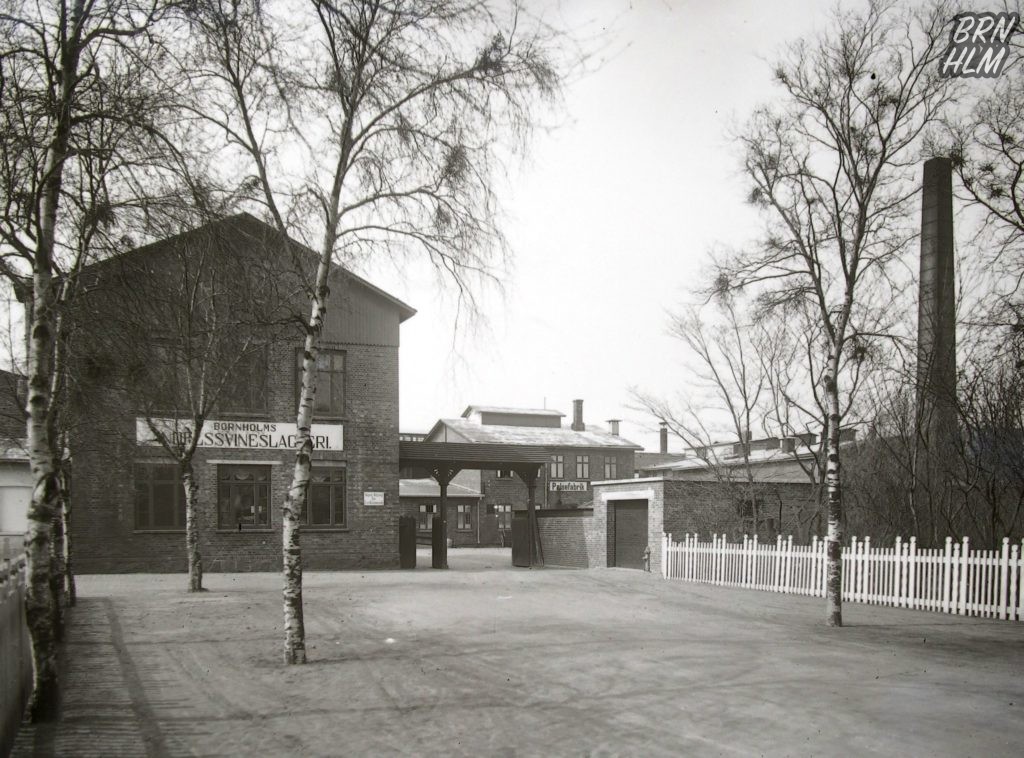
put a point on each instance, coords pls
(663, 434)
(614, 424)
(577, 416)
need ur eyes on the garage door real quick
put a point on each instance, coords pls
(630, 533)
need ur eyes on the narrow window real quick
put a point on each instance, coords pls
(557, 466)
(325, 502)
(464, 517)
(582, 466)
(330, 382)
(611, 468)
(425, 518)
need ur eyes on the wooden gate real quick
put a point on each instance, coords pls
(630, 533)
(520, 539)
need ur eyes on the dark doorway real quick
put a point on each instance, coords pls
(630, 533)
(520, 539)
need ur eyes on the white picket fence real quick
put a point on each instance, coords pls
(953, 579)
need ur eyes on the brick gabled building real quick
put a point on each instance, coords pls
(128, 504)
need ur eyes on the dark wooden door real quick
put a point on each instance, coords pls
(630, 533)
(520, 539)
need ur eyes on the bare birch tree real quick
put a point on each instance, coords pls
(64, 69)
(369, 128)
(831, 168)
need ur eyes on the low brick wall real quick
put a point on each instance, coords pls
(568, 537)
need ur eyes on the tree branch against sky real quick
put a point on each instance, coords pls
(369, 129)
(831, 167)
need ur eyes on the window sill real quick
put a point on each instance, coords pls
(308, 528)
(261, 530)
(158, 531)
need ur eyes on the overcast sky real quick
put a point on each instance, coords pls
(611, 219)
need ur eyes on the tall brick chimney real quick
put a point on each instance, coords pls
(936, 314)
(577, 416)
(663, 437)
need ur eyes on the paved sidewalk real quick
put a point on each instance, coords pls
(498, 661)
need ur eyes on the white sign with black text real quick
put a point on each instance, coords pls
(568, 486)
(243, 435)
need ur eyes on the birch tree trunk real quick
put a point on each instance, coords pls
(64, 482)
(57, 575)
(39, 600)
(39, 605)
(195, 558)
(834, 507)
(295, 631)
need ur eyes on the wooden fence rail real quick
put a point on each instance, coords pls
(952, 579)
(15, 651)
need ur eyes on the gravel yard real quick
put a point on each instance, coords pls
(489, 660)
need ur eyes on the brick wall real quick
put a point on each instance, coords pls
(711, 507)
(568, 537)
(104, 451)
(484, 529)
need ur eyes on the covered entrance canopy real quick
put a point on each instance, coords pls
(446, 459)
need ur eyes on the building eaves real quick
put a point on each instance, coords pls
(532, 435)
(514, 411)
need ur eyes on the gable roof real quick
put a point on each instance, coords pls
(246, 223)
(467, 431)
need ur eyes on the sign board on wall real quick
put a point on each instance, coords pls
(568, 486)
(241, 435)
(373, 498)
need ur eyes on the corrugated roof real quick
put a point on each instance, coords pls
(519, 411)
(531, 435)
(429, 488)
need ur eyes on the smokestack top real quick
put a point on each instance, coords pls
(577, 416)
(614, 424)
(663, 437)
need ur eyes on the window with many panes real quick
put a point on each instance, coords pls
(557, 466)
(464, 517)
(245, 390)
(611, 467)
(159, 497)
(330, 382)
(504, 514)
(325, 499)
(243, 497)
(425, 518)
(582, 466)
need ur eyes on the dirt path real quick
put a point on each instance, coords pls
(511, 662)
